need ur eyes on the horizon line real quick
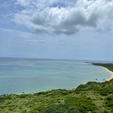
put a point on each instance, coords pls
(31, 58)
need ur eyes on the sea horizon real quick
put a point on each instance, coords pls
(60, 59)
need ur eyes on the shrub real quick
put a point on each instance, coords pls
(84, 104)
(66, 108)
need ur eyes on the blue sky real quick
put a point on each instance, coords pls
(58, 29)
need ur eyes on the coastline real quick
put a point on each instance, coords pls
(82, 99)
(104, 66)
(111, 77)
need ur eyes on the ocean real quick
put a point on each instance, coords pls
(35, 75)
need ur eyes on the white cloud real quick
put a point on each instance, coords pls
(62, 16)
(24, 2)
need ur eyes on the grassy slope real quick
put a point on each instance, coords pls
(90, 97)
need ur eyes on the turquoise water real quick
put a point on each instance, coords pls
(32, 75)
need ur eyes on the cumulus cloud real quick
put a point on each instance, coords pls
(64, 16)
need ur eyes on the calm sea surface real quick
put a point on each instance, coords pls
(31, 75)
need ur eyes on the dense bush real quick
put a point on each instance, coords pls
(66, 108)
(109, 102)
(84, 103)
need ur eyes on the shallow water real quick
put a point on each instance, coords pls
(33, 75)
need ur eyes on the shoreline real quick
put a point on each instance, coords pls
(103, 65)
(111, 77)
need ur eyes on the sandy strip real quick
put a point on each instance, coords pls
(111, 77)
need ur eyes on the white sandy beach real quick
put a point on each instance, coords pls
(111, 77)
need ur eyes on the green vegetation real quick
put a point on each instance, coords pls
(107, 65)
(91, 97)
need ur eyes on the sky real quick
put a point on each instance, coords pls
(57, 29)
